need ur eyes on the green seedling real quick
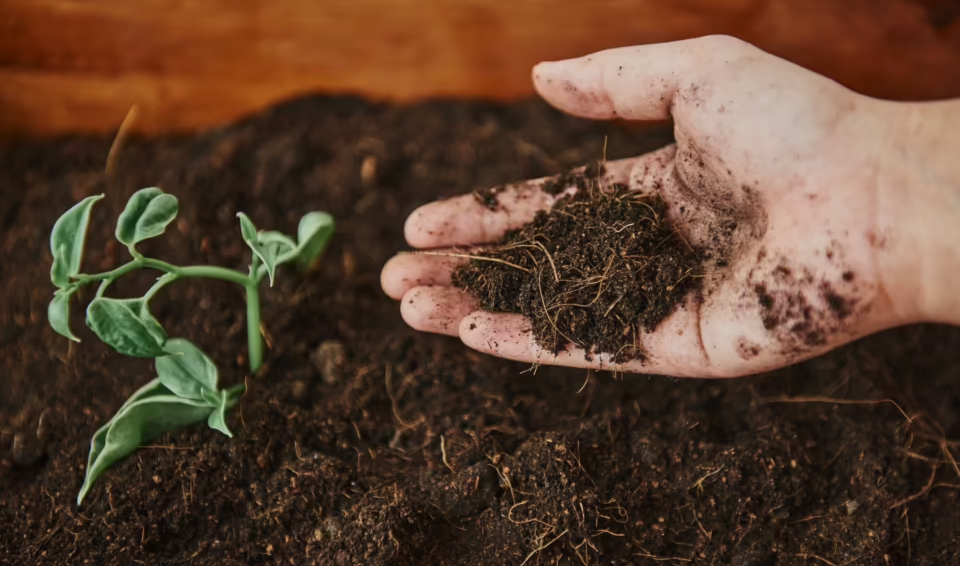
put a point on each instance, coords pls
(186, 389)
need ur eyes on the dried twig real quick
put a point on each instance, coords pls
(119, 139)
(543, 547)
(443, 451)
(921, 493)
(556, 276)
(546, 311)
(466, 256)
(388, 379)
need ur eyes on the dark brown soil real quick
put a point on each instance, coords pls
(603, 266)
(338, 454)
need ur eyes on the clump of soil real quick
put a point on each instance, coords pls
(598, 269)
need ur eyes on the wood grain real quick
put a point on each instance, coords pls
(70, 66)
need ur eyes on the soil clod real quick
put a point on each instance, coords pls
(603, 266)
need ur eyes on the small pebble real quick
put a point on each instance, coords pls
(27, 450)
(329, 359)
(298, 389)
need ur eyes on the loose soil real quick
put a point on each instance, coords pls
(365, 442)
(603, 266)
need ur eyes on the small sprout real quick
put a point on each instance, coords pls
(186, 389)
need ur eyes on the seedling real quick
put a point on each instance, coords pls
(186, 389)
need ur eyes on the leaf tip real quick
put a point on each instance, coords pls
(84, 489)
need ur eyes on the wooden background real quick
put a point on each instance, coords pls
(78, 65)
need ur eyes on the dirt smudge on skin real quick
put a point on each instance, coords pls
(488, 197)
(876, 241)
(585, 99)
(728, 216)
(695, 94)
(746, 349)
(802, 310)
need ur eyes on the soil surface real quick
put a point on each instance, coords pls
(365, 442)
(598, 270)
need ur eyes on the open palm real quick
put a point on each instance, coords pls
(774, 169)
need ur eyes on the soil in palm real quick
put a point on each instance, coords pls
(599, 269)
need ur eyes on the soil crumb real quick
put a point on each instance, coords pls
(601, 267)
(488, 197)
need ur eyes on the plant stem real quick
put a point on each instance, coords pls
(236, 389)
(213, 273)
(167, 278)
(254, 339)
(84, 279)
(210, 272)
(250, 283)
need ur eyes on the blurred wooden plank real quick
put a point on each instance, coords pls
(78, 65)
(50, 103)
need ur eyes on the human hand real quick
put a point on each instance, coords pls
(782, 168)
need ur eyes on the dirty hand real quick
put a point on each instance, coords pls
(833, 211)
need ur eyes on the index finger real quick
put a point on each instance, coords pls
(475, 219)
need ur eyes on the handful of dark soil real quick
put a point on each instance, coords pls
(597, 270)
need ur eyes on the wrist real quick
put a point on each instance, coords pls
(921, 175)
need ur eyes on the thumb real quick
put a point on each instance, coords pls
(633, 83)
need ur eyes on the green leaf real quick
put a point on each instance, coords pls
(149, 413)
(234, 393)
(152, 389)
(282, 245)
(127, 326)
(58, 313)
(58, 271)
(146, 215)
(247, 229)
(211, 397)
(313, 235)
(70, 232)
(186, 371)
(274, 248)
(218, 418)
(141, 307)
(249, 233)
